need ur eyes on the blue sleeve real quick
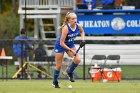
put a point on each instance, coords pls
(106, 1)
(28, 44)
(27, 38)
(83, 1)
(93, 3)
(16, 46)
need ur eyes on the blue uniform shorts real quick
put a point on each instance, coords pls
(60, 49)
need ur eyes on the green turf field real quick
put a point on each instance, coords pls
(80, 86)
(129, 72)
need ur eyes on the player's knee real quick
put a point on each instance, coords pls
(77, 61)
(58, 68)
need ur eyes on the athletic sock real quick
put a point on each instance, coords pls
(56, 74)
(72, 67)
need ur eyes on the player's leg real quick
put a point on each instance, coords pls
(74, 64)
(58, 60)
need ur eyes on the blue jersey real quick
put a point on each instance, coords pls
(69, 41)
(17, 47)
(93, 3)
(107, 1)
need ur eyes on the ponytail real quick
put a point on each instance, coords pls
(65, 20)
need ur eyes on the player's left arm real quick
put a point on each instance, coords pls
(82, 43)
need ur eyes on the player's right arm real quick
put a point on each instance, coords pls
(63, 37)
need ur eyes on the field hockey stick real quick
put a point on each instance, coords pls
(76, 53)
(65, 71)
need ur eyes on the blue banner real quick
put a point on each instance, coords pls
(110, 24)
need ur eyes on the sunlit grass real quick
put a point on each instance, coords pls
(80, 86)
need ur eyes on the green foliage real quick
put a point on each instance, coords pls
(9, 27)
(6, 6)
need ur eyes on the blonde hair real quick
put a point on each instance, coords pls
(67, 17)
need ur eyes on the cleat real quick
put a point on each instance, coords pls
(70, 75)
(55, 85)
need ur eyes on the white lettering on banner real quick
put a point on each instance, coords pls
(91, 24)
(133, 23)
(116, 23)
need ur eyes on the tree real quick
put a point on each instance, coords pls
(14, 7)
(0, 6)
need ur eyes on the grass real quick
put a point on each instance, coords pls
(129, 72)
(80, 86)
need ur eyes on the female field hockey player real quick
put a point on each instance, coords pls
(65, 43)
